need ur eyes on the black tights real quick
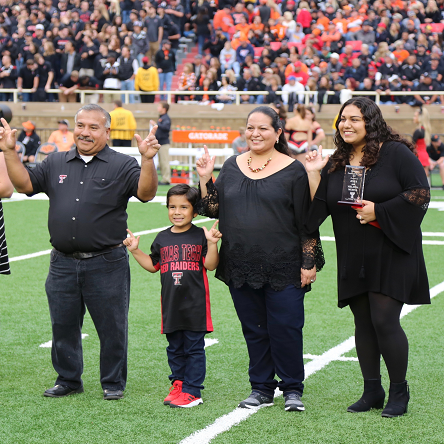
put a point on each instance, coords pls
(378, 331)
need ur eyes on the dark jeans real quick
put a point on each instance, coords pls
(186, 358)
(121, 142)
(6, 97)
(144, 98)
(101, 284)
(272, 324)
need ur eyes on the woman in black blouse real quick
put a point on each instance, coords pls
(267, 258)
(379, 247)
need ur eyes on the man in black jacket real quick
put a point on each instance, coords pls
(436, 153)
(250, 83)
(25, 79)
(8, 77)
(127, 72)
(70, 60)
(166, 65)
(163, 137)
(216, 44)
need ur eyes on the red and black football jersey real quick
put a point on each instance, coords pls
(185, 297)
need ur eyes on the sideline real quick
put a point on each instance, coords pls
(226, 422)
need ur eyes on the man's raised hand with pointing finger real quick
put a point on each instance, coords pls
(148, 147)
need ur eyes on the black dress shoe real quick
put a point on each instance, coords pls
(59, 391)
(112, 394)
(164, 183)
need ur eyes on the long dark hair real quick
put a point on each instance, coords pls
(377, 132)
(281, 145)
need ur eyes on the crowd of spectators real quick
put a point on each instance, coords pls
(265, 45)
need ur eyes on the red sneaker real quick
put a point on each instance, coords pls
(186, 400)
(175, 391)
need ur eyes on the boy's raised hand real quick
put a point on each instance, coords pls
(214, 234)
(131, 242)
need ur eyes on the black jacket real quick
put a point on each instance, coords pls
(253, 84)
(163, 130)
(167, 65)
(32, 143)
(64, 61)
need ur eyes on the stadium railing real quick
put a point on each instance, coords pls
(310, 96)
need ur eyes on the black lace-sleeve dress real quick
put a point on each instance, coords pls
(388, 260)
(262, 224)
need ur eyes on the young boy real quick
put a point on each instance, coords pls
(183, 253)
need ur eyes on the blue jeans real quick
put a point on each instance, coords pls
(201, 39)
(27, 97)
(125, 15)
(186, 358)
(127, 85)
(6, 97)
(272, 324)
(101, 284)
(165, 78)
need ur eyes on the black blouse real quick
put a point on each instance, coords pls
(262, 224)
(388, 260)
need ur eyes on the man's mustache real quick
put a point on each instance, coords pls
(85, 138)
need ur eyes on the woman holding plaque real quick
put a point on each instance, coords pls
(267, 258)
(378, 241)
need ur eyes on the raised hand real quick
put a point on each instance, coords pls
(7, 137)
(148, 147)
(213, 235)
(314, 160)
(131, 242)
(205, 165)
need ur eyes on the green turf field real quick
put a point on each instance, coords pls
(26, 370)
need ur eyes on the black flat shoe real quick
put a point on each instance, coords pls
(112, 394)
(59, 391)
(164, 183)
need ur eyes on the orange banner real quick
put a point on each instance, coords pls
(204, 137)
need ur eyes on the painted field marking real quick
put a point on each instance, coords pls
(341, 358)
(226, 422)
(139, 233)
(49, 343)
(210, 341)
(29, 256)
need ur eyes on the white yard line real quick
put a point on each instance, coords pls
(226, 422)
(49, 343)
(29, 256)
(210, 341)
(139, 233)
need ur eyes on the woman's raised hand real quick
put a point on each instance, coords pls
(205, 165)
(314, 160)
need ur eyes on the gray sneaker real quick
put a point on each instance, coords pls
(256, 400)
(293, 402)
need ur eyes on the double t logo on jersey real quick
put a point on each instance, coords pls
(62, 177)
(177, 276)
